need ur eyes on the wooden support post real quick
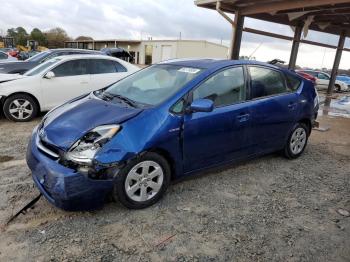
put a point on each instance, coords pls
(295, 46)
(335, 67)
(237, 29)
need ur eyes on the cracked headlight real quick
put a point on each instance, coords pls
(84, 150)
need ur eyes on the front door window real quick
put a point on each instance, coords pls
(72, 68)
(225, 88)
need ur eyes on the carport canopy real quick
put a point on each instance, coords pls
(327, 16)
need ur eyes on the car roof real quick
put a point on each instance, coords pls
(73, 49)
(85, 56)
(209, 63)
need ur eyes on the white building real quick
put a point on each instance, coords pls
(154, 51)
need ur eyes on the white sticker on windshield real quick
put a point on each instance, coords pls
(189, 70)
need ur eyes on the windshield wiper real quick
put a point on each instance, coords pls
(126, 100)
(106, 96)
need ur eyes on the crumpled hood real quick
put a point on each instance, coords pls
(10, 77)
(66, 124)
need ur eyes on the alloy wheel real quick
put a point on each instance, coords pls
(21, 109)
(298, 141)
(144, 181)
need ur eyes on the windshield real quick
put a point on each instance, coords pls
(42, 67)
(38, 57)
(154, 84)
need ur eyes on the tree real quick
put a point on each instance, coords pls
(19, 34)
(11, 32)
(56, 37)
(82, 38)
(38, 36)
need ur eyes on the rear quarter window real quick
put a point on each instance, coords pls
(293, 82)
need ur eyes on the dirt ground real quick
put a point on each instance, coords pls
(267, 209)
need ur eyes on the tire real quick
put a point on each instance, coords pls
(301, 133)
(136, 180)
(337, 88)
(20, 108)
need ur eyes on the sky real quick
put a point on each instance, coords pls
(161, 19)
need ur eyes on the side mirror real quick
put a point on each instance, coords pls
(202, 105)
(49, 75)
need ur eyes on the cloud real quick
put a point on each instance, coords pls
(109, 19)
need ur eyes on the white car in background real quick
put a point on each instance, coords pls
(322, 81)
(4, 57)
(57, 81)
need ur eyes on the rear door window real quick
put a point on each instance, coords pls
(72, 68)
(293, 82)
(104, 66)
(266, 82)
(119, 67)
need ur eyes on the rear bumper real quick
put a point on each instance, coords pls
(63, 187)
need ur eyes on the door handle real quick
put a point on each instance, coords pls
(84, 82)
(243, 117)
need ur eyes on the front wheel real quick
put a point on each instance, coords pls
(143, 181)
(20, 108)
(297, 141)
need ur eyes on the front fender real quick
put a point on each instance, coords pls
(149, 130)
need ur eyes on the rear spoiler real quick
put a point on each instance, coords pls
(276, 61)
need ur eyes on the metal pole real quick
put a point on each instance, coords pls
(295, 46)
(237, 36)
(335, 67)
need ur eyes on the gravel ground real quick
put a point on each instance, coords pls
(267, 209)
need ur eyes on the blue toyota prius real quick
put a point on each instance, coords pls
(170, 120)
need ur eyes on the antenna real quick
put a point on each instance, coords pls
(256, 49)
(324, 54)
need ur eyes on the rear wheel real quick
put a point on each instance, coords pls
(297, 141)
(337, 88)
(20, 108)
(143, 181)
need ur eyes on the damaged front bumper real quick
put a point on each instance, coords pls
(62, 186)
